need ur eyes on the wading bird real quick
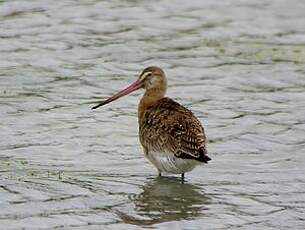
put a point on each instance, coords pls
(173, 139)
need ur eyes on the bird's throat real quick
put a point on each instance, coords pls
(150, 98)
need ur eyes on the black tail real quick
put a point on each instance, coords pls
(204, 156)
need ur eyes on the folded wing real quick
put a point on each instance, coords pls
(168, 126)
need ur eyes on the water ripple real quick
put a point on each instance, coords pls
(239, 66)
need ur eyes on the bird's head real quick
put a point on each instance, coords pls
(152, 79)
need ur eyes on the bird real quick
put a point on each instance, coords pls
(172, 137)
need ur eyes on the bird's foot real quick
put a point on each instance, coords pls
(182, 178)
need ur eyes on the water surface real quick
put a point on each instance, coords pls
(238, 65)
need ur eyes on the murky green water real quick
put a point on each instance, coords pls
(239, 65)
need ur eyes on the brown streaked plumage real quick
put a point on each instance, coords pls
(173, 139)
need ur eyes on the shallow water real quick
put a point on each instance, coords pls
(238, 65)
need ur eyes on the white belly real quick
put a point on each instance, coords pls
(167, 162)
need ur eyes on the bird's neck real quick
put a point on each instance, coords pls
(150, 98)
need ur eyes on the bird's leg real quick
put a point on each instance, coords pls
(182, 178)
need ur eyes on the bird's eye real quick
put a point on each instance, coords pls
(145, 76)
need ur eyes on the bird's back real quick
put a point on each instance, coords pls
(169, 127)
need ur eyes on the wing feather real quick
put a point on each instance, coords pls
(170, 126)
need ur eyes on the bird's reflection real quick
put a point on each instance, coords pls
(165, 199)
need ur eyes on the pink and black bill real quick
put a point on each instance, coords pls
(133, 87)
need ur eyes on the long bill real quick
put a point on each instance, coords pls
(133, 87)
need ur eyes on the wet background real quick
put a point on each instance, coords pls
(239, 65)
